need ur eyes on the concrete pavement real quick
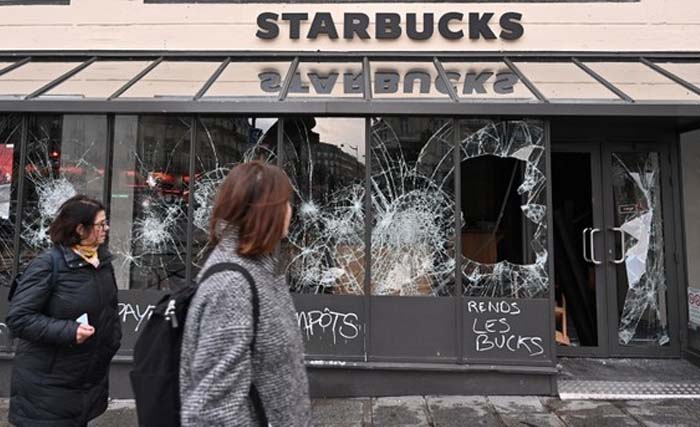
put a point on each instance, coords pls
(465, 411)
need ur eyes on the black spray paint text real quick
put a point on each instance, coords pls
(344, 325)
(496, 333)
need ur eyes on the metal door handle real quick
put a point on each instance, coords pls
(585, 255)
(593, 260)
(622, 246)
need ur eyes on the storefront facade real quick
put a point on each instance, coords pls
(479, 187)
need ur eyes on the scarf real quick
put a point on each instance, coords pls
(88, 253)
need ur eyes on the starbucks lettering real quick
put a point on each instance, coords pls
(450, 26)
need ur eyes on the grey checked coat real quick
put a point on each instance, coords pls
(216, 363)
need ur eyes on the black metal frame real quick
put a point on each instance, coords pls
(598, 140)
(618, 145)
(199, 103)
(366, 107)
(592, 148)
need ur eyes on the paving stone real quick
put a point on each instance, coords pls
(657, 413)
(691, 405)
(399, 411)
(517, 404)
(120, 413)
(341, 412)
(459, 411)
(123, 417)
(599, 421)
(577, 413)
(532, 420)
(585, 408)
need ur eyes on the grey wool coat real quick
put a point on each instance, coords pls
(217, 367)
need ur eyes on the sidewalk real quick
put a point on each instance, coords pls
(462, 411)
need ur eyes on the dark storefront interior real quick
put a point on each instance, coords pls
(388, 291)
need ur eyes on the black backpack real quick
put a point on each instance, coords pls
(156, 369)
(55, 260)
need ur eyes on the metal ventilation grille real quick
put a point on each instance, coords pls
(625, 390)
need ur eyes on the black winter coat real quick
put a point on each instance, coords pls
(55, 381)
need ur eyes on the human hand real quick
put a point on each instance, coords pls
(84, 332)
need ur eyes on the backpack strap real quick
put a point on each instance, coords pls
(55, 260)
(232, 266)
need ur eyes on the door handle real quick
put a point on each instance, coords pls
(585, 252)
(590, 241)
(622, 246)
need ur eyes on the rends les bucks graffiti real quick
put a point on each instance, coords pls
(450, 26)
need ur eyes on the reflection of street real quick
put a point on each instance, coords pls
(5, 195)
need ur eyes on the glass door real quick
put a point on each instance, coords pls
(614, 281)
(637, 233)
(579, 270)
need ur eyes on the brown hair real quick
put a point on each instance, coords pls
(77, 210)
(253, 199)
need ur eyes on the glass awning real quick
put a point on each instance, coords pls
(178, 82)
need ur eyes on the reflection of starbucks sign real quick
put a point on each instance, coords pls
(450, 26)
(391, 82)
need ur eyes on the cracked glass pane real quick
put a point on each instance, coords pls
(641, 276)
(65, 157)
(325, 159)
(504, 254)
(148, 217)
(222, 143)
(10, 139)
(413, 222)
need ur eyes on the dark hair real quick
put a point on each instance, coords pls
(77, 210)
(253, 199)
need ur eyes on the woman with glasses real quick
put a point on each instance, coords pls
(64, 312)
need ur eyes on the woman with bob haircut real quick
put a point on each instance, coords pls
(64, 312)
(230, 375)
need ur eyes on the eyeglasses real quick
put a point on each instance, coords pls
(102, 224)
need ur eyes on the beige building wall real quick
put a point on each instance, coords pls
(648, 25)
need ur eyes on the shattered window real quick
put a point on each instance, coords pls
(504, 252)
(413, 201)
(222, 143)
(148, 217)
(641, 275)
(325, 159)
(493, 227)
(10, 139)
(65, 157)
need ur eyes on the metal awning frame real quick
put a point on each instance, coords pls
(452, 104)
